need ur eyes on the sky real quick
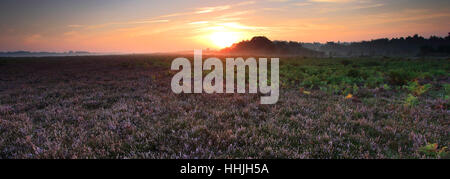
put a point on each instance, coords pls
(141, 26)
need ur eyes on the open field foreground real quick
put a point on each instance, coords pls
(123, 107)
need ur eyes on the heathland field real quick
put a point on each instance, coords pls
(123, 107)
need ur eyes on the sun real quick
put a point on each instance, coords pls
(224, 39)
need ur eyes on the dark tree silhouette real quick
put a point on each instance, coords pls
(409, 46)
(262, 45)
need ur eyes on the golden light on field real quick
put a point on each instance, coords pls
(224, 39)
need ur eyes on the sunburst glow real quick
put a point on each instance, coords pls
(224, 39)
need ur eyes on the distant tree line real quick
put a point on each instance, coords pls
(405, 46)
(409, 46)
(42, 54)
(262, 45)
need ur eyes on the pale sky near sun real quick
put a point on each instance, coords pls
(139, 26)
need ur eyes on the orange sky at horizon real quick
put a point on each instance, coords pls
(145, 26)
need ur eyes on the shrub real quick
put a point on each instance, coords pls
(417, 89)
(354, 73)
(439, 73)
(346, 62)
(447, 88)
(446, 91)
(411, 100)
(374, 81)
(401, 77)
(364, 93)
(432, 150)
(371, 64)
(311, 81)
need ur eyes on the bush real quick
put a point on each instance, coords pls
(432, 150)
(346, 62)
(374, 81)
(417, 89)
(354, 73)
(439, 73)
(446, 91)
(447, 88)
(311, 81)
(371, 64)
(411, 100)
(401, 77)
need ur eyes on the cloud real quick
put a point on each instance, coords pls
(273, 9)
(348, 8)
(244, 3)
(235, 25)
(203, 10)
(212, 9)
(148, 21)
(332, 1)
(198, 22)
(75, 26)
(278, 0)
(221, 8)
(302, 4)
(32, 39)
(367, 6)
(179, 23)
(407, 15)
(96, 26)
(235, 14)
(176, 14)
